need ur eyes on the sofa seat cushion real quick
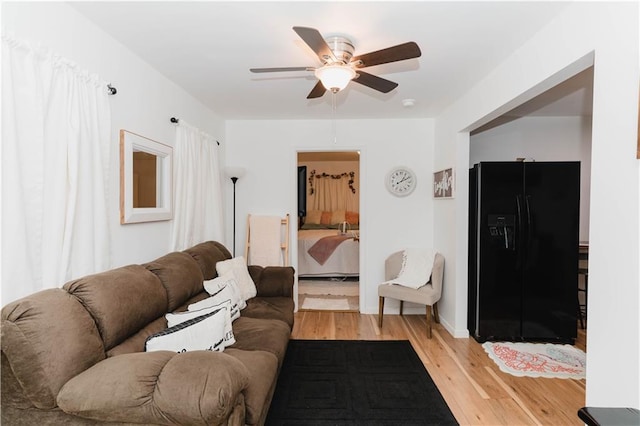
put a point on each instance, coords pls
(253, 334)
(280, 308)
(263, 375)
(191, 388)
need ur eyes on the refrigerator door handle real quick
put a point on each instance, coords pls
(519, 217)
(529, 224)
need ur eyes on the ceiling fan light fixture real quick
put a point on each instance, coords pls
(335, 77)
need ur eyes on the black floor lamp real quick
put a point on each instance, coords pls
(234, 173)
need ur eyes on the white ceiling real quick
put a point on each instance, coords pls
(207, 48)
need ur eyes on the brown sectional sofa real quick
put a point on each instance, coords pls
(75, 355)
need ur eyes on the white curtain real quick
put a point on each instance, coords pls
(333, 194)
(56, 124)
(197, 193)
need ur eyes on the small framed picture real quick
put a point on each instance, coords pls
(443, 183)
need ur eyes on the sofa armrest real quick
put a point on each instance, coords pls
(194, 388)
(273, 281)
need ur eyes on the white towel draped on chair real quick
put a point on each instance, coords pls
(266, 246)
(416, 268)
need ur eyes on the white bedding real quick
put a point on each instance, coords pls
(344, 261)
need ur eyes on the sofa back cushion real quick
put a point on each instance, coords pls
(48, 338)
(180, 276)
(135, 343)
(121, 301)
(207, 254)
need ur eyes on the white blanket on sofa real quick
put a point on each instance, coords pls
(416, 268)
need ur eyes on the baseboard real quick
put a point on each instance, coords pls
(456, 333)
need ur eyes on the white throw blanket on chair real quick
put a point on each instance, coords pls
(416, 268)
(265, 246)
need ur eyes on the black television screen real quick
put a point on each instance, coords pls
(302, 191)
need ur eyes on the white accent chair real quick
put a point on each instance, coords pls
(428, 294)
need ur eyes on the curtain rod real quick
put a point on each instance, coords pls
(176, 120)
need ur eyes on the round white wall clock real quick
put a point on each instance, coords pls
(401, 181)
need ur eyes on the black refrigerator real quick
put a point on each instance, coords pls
(523, 251)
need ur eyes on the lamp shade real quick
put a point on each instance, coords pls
(234, 172)
(335, 77)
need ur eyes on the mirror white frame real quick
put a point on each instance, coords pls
(129, 143)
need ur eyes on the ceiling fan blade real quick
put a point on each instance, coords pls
(280, 69)
(317, 91)
(316, 42)
(400, 52)
(378, 83)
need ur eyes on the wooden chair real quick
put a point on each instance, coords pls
(428, 294)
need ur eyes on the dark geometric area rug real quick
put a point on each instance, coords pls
(355, 382)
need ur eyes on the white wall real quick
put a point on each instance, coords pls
(267, 149)
(603, 34)
(145, 102)
(541, 139)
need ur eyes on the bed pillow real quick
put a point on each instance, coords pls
(336, 226)
(317, 226)
(206, 332)
(352, 217)
(313, 217)
(338, 216)
(325, 219)
(239, 267)
(180, 317)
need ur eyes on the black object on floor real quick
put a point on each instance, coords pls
(609, 416)
(355, 382)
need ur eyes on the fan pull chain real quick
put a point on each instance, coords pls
(333, 118)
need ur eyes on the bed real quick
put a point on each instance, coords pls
(323, 251)
(343, 261)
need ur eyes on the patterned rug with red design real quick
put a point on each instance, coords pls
(538, 359)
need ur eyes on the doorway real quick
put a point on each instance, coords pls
(328, 230)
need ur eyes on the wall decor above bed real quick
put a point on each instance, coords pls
(313, 175)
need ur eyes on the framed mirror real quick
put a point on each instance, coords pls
(145, 179)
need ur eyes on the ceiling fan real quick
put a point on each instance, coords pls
(339, 66)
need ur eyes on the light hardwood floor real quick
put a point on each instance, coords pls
(475, 389)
